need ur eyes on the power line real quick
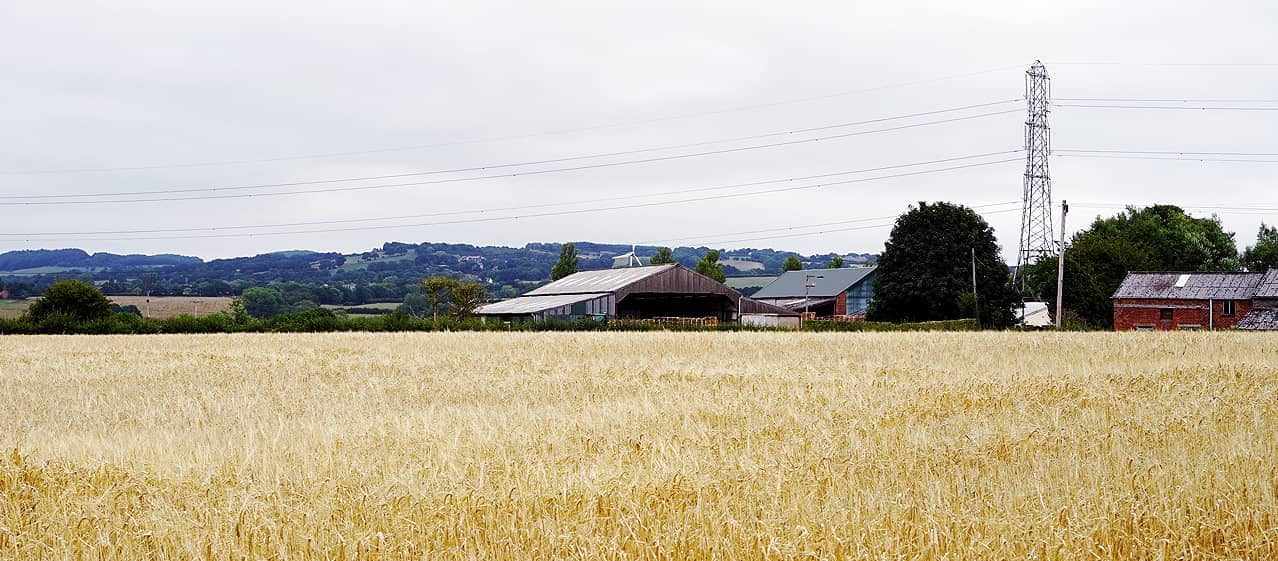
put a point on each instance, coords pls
(821, 225)
(42, 199)
(505, 138)
(1168, 158)
(1162, 152)
(520, 207)
(1162, 100)
(548, 214)
(832, 231)
(1168, 107)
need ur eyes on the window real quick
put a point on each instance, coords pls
(1227, 308)
(1165, 314)
(1188, 327)
(1143, 327)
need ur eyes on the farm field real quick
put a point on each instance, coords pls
(161, 307)
(640, 446)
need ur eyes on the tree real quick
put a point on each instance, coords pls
(465, 298)
(416, 304)
(437, 290)
(567, 264)
(792, 263)
(1156, 238)
(925, 271)
(73, 299)
(709, 266)
(663, 256)
(261, 302)
(836, 262)
(1259, 257)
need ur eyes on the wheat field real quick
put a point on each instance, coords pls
(640, 446)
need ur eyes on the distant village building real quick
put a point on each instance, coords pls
(642, 292)
(833, 292)
(1184, 301)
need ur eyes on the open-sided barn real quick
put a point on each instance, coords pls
(654, 291)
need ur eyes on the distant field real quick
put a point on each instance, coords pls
(954, 446)
(746, 282)
(382, 306)
(162, 307)
(13, 308)
(742, 265)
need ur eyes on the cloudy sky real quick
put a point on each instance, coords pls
(259, 114)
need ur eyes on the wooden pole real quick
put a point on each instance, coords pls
(1060, 267)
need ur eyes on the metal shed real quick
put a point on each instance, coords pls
(833, 292)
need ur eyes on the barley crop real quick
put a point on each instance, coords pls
(640, 446)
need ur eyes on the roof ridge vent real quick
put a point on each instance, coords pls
(1180, 281)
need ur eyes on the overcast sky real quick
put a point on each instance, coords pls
(233, 94)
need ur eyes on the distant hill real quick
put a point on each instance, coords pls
(380, 274)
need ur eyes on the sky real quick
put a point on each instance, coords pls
(238, 106)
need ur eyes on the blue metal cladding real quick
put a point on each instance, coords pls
(860, 294)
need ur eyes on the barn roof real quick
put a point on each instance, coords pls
(1260, 319)
(1268, 287)
(1188, 286)
(534, 304)
(602, 280)
(835, 281)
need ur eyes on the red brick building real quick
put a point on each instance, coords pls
(1184, 301)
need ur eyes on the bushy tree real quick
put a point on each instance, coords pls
(925, 271)
(1263, 255)
(663, 256)
(1156, 238)
(75, 300)
(836, 262)
(792, 263)
(465, 298)
(709, 266)
(567, 264)
(261, 302)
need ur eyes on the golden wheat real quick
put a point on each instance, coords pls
(640, 446)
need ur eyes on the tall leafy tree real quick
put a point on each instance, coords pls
(663, 256)
(792, 263)
(568, 262)
(1259, 257)
(709, 266)
(437, 290)
(262, 302)
(836, 262)
(925, 271)
(1156, 238)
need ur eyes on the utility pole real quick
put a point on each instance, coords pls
(807, 286)
(976, 305)
(1060, 267)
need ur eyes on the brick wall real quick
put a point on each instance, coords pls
(1130, 313)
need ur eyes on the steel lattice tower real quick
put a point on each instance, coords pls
(1037, 240)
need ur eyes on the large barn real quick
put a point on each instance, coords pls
(654, 291)
(824, 292)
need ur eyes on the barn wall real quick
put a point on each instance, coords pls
(1130, 313)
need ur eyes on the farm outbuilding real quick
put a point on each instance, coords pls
(1183, 301)
(653, 291)
(833, 292)
(1264, 305)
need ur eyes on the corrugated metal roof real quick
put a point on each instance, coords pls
(1260, 319)
(533, 304)
(1198, 286)
(790, 284)
(797, 304)
(602, 280)
(1268, 287)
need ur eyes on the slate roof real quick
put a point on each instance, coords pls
(1260, 319)
(533, 304)
(1268, 287)
(602, 280)
(836, 281)
(1196, 286)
